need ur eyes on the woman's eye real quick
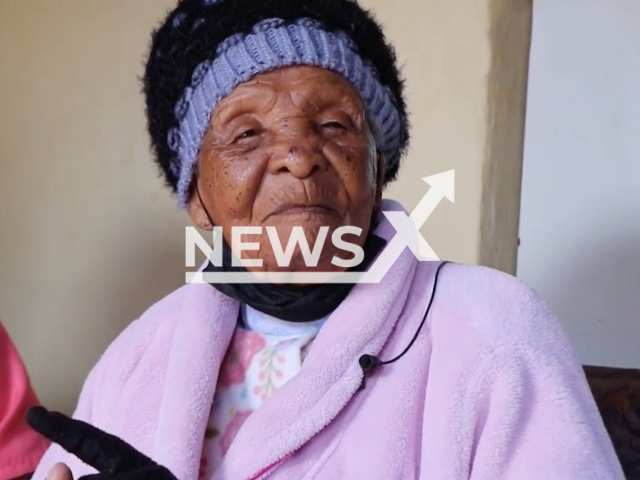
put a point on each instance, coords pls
(334, 125)
(248, 134)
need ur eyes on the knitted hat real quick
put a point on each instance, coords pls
(205, 48)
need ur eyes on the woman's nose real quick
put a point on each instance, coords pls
(298, 150)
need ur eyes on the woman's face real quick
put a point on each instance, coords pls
(290, 148)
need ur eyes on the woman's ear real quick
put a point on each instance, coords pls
(197, 212)
(380, 174)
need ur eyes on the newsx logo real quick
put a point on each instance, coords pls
(407, 236)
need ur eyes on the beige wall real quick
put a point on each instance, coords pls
(88, 235)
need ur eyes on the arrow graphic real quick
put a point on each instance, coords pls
(408, 228)
(442, 186)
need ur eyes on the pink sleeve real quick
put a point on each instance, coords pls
(536, 419)
(20, 447)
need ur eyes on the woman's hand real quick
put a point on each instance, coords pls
(113, 458)
(59, 472)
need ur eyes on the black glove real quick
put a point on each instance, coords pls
(112, 457)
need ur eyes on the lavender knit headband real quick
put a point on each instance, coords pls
(275, 44)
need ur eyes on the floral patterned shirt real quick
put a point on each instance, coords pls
(264, 353)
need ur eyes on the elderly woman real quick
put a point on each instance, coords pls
(290, 113)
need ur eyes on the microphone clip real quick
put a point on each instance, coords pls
(368, 363)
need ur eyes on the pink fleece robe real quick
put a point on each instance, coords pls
(489, 391)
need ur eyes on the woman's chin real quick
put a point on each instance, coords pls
(297, 273)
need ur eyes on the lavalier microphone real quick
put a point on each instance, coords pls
(370, 363)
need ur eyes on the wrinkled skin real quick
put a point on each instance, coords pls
(289, 148)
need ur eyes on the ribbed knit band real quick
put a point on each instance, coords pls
(273, 44)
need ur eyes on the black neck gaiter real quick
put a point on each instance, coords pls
(292, 303)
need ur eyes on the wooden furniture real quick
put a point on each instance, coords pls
(617, 394)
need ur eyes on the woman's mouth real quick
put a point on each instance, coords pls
(291, 209)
